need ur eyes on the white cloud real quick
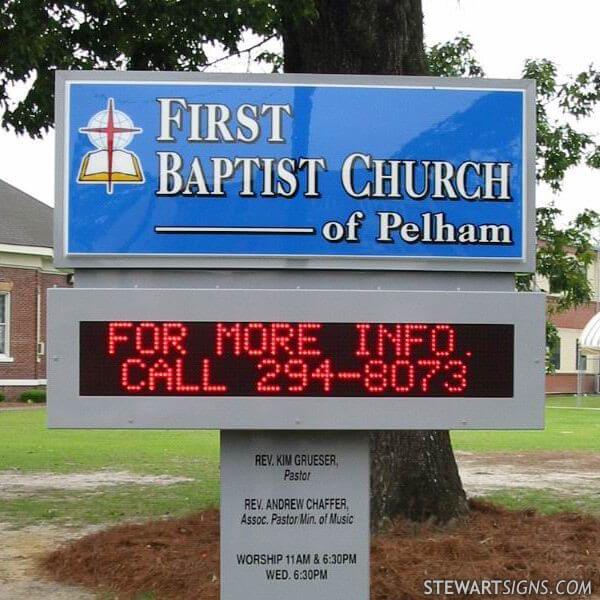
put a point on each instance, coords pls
(507, 33)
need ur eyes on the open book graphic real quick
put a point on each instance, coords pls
(125, 167)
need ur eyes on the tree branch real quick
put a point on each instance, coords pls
(240, 52)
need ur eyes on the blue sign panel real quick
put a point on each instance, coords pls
(274, 169)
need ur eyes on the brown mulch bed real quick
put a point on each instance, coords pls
(179, 558)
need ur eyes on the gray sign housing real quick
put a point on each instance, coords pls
(67, 308)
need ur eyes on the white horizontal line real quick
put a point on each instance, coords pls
(18, 249)
(574, 407)
(239, 230)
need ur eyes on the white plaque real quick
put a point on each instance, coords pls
(294, 515)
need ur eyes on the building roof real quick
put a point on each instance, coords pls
(589, 341)
(24, 221)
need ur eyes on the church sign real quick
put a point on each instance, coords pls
(204, 216)
(294, 172)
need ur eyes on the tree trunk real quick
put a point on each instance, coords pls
(370, 37)
(413, 473)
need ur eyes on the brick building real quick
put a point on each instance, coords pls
(570, 325)
(26, 272)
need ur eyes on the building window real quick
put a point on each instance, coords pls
(554, 287)
(555, 355)
(4, 325)
(582, 364)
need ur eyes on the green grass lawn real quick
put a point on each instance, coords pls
(545, 501)
(27, 446)
(566, 430)
(574, 402)
(33, 447)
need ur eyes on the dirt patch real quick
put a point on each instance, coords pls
(20, 406)
(20, 552)
(564, 472)
(16, 484)
(179, 558)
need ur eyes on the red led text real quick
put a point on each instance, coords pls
(283, 358)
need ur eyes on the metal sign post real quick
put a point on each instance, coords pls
(294, 260)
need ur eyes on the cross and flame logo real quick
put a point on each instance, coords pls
(110, 131)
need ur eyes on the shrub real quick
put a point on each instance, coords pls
(33, 396)
(2, 397)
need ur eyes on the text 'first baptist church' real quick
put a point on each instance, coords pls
(286, 177)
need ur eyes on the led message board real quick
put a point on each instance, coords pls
(260, 359)
(170, 358)
(294, 171)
